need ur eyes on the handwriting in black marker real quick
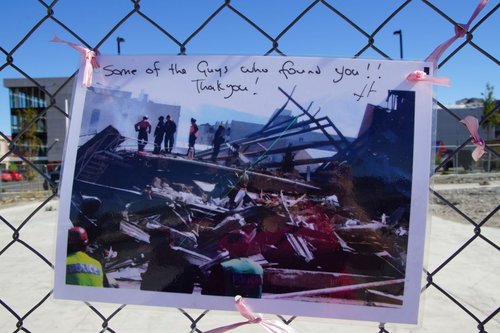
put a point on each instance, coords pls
(361, 95)
(368, 68)
(256, 81)
(371, 89)
(344, 71)
(110, 71)
(154, 70)
(288, 69)
(229, 88)
(253, 69)
(204, 68)
(174, 69)
(235, 88)
(200, 86)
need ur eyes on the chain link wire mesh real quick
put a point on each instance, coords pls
(107, 318)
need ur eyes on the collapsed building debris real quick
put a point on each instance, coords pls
(312, 238)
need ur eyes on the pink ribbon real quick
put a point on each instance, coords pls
(271, 326)
(88, 55)
(420, 76)
(472, 125)
(460, 32)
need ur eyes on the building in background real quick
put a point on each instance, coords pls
(120, 109)
(450, 133)
(237, 129)
(28, 100)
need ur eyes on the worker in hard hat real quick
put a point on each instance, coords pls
(82, 269)
(144, 128)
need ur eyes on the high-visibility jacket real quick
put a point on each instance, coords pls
(83, 270)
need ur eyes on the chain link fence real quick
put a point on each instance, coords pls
(18, 313)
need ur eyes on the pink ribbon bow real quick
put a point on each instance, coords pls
(271, 326)
(420, 76)
(472, 125)
(88, 55)
(460, 32)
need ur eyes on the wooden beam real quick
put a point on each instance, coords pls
(331, 290)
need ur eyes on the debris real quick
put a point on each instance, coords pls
(332, 201)
(311, 229)
(192, 257)
(283, 202)
(204, 186)
(134, 232)
(300, 247)
(331, 290)
(285, 280)
(128, 273)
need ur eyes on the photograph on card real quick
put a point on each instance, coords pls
(284, 180)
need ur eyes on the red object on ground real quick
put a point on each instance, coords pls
(6, 176)
(15, 175)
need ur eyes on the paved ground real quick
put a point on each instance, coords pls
(471, 277)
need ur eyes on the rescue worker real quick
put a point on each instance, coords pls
(218, 141)
(238, 275)
(81, 269)
(170, 128)
(193, 135)
(143, 127)
(159, 133)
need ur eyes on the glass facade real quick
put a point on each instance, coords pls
(27, 97)
(21, 99)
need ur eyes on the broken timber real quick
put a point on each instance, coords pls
(318, 292)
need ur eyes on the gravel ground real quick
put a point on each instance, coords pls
(9, 199)
(476, 195)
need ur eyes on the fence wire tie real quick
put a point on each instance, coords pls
(460, 31)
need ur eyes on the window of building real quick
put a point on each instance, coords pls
(14, 121)
(27, 97)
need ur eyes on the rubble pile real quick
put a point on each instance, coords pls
(169, 238)
(237, 221)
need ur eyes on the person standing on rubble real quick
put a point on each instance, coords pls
(193, 135)
(170, 129)
(218, 141)
(82, 269)
(159, 133)
(238, 275)
(143, 127)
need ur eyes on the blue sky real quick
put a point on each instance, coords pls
(319, 33)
